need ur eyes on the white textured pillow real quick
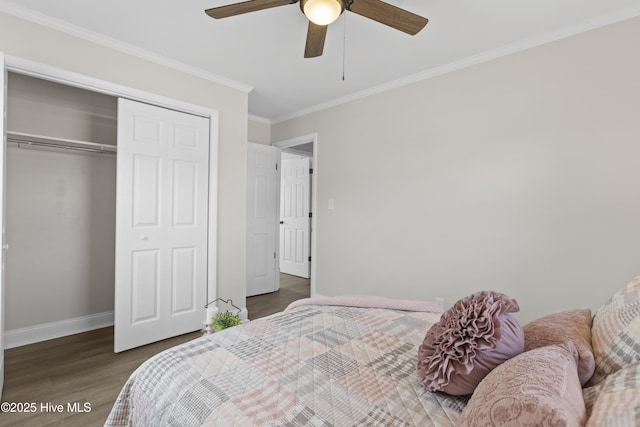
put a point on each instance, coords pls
(615, 334)
(618, 401)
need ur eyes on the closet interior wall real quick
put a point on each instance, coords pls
(60, 205)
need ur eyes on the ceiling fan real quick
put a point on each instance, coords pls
(321, 13)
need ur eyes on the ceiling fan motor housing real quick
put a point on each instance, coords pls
(322, 12)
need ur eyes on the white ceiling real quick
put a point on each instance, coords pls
(264, 49)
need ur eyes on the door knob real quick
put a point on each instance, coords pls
(281, 222)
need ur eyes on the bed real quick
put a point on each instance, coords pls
(351, 361)
(321, 362)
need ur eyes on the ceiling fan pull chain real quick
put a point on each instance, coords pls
(344, 44)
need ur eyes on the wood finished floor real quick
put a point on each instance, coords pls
(83, 367)
(292, 288)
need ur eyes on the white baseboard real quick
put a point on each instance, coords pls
(62, 328)
(242, 313)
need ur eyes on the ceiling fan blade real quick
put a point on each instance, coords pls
(388, 14)
(315, 40)
(245, 7)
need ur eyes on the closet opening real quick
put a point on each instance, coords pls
(60, 208)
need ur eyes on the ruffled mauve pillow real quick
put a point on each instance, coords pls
(570, 325)
(472, 337)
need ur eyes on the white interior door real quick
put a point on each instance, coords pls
(262, 218)
(295, 221)
(3, 151)
(161, 223)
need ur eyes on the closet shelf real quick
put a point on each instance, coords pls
(48, 141)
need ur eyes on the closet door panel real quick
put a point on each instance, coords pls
(162, 200)
(145, 272)
(186, 137)
(146, 191)
(147, 129)
(183, 284)
(185, 186)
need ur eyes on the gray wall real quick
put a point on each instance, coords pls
(518, 175)
(60, 223)
(259, 131)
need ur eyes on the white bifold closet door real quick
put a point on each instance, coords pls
(161, 223)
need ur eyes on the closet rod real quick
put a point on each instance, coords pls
(65, 147)
(46, 141)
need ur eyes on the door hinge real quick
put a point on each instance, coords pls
(309, 259)
(310, 215)
(276, 166)
(274, 255)
(311, 171)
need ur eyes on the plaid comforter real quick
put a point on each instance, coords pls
(314, 365)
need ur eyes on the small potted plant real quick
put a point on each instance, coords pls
(225, 320)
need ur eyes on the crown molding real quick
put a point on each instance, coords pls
(65, 27)
(259, 119)
(604, 20)
(29, 15)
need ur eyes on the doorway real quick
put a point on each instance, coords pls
(304, 147)
(264, 214)
(295, 214)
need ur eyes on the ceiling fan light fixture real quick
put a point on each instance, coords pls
(322, 12)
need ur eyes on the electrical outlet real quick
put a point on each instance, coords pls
(440, 301)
